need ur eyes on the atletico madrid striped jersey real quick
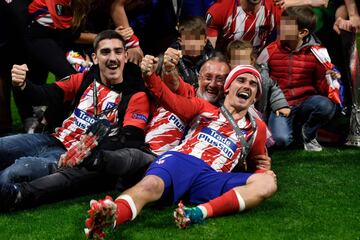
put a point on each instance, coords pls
(226, 19)
(107, 101)
(210, 137)
(55, 14)
(165, 129)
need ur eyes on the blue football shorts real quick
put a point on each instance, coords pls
(190, 179)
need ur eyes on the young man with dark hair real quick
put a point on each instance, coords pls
(110, 96)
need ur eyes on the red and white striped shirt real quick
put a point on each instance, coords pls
(211, 137)
(166, 130)
(107, 101)
(228, 20)
(56, 14)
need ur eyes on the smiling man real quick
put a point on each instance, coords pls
(111, 93)
(199, 170)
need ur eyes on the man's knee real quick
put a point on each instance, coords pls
(326, 108)
(282, 140)
(151, 184)
(264, 184)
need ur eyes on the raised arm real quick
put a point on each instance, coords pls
(118, 14)
(185, 108)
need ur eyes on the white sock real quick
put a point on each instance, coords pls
(203, 210)
(241, 201)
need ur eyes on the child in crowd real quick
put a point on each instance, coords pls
(301, 76)
(272, 100)
(189, 53)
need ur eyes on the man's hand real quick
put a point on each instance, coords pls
(263, 162)
(283, 111)
(355, 23)
(333, 74)
(351, 25)
(342, 24)
(125, 32)
(171, 59)
(135, 55)
(148, 65)
(18, 75)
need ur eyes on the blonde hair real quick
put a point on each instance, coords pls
(238, 44)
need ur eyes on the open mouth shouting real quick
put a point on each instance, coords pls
(243, 95)
(112, 65)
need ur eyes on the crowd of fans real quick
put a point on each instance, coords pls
(188, 93)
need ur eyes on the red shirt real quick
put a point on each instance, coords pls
(166, 129)
(56, 14)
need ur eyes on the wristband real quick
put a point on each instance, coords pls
(132, 42)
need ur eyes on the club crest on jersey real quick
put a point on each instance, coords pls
(218, 140)
(59, 9)
(177, 122)
(110, 105)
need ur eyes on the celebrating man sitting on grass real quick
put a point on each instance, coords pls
(199, 170)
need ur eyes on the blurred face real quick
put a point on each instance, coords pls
(111, 58)
(242, 92)
(191, 44)
(241, 57)
(211, 81)
(288, 31)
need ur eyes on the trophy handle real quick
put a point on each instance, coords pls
(350, 43)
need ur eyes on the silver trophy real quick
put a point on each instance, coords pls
(350, 40)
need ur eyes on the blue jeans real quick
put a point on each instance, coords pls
(312, 114)
(24, 157)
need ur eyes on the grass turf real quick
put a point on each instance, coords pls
(318, 198)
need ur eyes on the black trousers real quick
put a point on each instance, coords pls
(117, 169)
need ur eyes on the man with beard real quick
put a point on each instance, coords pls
(166, 129)
(301, 76)
(109, 101)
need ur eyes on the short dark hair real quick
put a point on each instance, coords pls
(193, 25)
(304, 17)
(107, 34)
